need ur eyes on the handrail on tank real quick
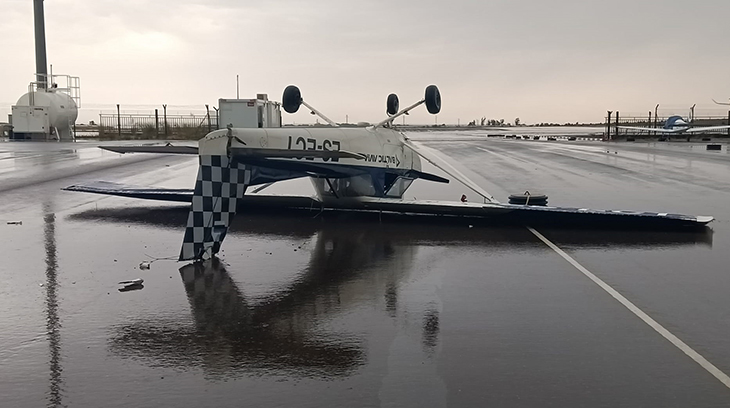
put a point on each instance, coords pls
(48, 83)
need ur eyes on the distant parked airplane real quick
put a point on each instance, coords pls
(675, 124)
(721, 103)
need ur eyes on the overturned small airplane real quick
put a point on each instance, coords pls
(366, 169)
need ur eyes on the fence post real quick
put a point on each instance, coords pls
(728, 122)
(649, 124)
(608, 125)
(164, 114)
(119, 123)
(157, 125)
(616, 124)
(217, 119)
(207, 114)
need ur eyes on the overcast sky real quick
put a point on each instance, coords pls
(540, 60)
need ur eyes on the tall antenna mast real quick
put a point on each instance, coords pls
(41, 66)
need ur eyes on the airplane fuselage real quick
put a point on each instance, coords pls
(382, 168)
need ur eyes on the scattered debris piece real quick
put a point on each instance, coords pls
(134, 284)
(528, 199)
(137, 281)
(144, 265)
(15, 222)
(131, 287)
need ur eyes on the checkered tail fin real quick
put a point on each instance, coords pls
(220, 184)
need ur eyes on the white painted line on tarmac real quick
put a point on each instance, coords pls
(697, 357)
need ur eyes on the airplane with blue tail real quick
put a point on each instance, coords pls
(676, 125)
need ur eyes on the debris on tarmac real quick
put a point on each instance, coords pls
(132, 287)
(15, 222)
(134, 284)
(137, 281)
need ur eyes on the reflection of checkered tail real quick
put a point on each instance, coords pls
(220, 184)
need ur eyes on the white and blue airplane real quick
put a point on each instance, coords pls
(676, 125)
(363, 169)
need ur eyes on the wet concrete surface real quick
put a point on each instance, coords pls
(349, 311)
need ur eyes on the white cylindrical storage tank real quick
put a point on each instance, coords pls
(62, 110)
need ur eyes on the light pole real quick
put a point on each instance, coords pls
(691, 118)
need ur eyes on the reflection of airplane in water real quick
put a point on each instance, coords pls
(286, 331)
(279, 333)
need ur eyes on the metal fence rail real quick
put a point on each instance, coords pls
(153, 126)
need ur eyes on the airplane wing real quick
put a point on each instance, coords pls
(256, 156)
(262, 157)
(657, 130)
(241, 152)
(514, 214)
(125, 190)
(706, 129)
(164, 149)
(507, 214)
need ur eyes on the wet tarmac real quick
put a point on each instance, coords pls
(343, 310)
